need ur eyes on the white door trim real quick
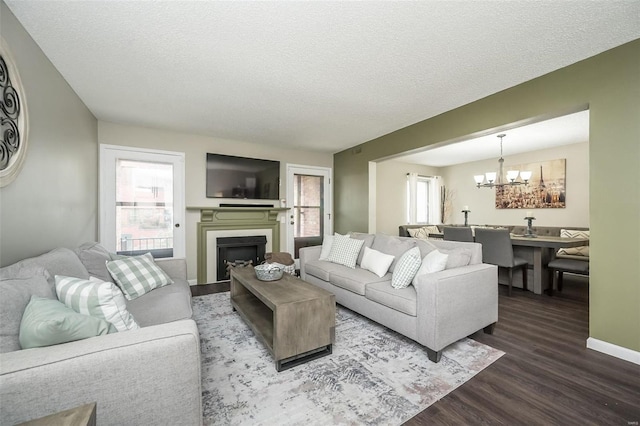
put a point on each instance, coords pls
(106, 191)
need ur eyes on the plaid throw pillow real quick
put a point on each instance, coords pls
(96, 298)
(345, 250)
(137, 275)
(406, 268)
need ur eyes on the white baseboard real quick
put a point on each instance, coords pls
(193, 282)
(614, 350)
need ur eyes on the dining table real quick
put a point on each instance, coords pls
(538, 250)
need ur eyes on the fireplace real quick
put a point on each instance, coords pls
(233, 249)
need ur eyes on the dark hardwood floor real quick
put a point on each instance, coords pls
(547, 376)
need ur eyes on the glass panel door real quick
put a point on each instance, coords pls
(309, 215)
(142, 201)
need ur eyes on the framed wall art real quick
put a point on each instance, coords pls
(13, 118)
(546, 188)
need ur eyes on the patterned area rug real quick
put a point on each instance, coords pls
(374, 376)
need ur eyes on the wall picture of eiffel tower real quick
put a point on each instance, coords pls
(546, 189)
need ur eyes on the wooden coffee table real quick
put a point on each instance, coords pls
(294, 319)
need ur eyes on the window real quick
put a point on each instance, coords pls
(423, 199)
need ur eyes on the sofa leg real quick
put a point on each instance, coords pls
(559, 280)
(434, 356)
(489, 329)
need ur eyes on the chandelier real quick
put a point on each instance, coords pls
(493, 179)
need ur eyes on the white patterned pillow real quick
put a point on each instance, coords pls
(406, 268)
(574, 251)
(97, 298)
(137, 275)
(376, 261)
(423, 232)
(345, 250)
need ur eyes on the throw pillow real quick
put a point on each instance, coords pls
(48, 322)
(574, 251)
(376, 262)
(423, 232)
(137, 275)
(100, 299)
(345, 250)
(327, 243)
(433, 262)
(406, 268)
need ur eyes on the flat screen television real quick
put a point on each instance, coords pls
(244, 178)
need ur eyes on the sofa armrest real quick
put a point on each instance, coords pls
(455, 303)
(308, 254)
(150, 376)
(174, 267)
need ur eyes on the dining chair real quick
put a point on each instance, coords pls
(497, 250)
(458, 233)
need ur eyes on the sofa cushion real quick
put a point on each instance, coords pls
(15, 294)
(394, 246)
(137, 275)
(320, 268)
(59, 261)
(100, 299)
(94, 257)
(368, 242)
(406, 268)
(49, 322)
(457, 258)
(345, 250)
(376, 261)
(403, 300)
(165, 304)
(355, 280)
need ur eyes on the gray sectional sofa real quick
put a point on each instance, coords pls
(150, 375)
(436, 310)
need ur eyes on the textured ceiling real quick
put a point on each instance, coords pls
(310, 75)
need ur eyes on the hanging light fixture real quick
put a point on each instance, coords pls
(493, 179)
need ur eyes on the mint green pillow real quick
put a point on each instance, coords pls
(47, 322)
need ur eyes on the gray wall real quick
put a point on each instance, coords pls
(53, 201)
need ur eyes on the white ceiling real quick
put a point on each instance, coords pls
(310, 75)
(565, 130)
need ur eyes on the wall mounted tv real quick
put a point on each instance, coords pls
(240, 177)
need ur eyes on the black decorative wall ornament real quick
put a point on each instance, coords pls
(13, 118)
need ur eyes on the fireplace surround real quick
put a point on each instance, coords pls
(217, 222)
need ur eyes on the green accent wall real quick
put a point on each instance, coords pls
(609, 85)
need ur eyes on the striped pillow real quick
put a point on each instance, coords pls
(137, 275)
(97, 298)
(574, 251)
(406, 268)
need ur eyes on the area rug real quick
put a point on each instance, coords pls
(373, 377)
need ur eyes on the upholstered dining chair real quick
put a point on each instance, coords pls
(497, 250)
(458, 233)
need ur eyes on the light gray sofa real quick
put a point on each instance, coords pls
(137, 377)
(437, 310)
